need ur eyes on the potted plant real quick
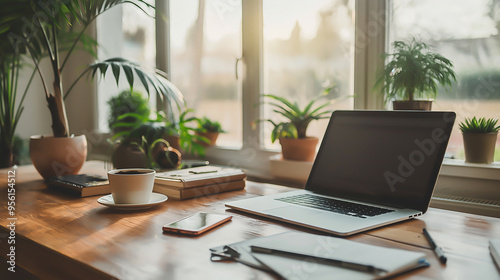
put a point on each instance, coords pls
(143, 144)
(56, 30)
(210, 130)
(184, 133)
(10, 108)
(295, 144)
(480, 136)
(11, 105)
(413, 75)
(127, 101)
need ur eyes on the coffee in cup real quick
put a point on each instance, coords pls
(131, 186)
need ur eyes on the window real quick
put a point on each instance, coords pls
(223, 67)
(467, 33)
(307, 47)
(205, 46)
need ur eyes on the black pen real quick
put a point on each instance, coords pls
(439, 252)
(345, 264)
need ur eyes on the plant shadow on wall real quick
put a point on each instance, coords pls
(291, 130)
(413, 74)
(36, 30)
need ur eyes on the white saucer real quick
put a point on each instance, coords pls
(156, 198)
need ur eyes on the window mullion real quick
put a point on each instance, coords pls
(370, 43)
(252, 42)
(162, 42)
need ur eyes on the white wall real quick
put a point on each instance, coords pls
(35, 118)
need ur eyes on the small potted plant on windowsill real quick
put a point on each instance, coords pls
(295, 144)
(210, 130)
(413, 74)
(183, 134)
(480, 136)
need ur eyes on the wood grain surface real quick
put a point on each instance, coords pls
(59, 236)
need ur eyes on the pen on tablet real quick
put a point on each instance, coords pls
(345, 264)
(439, 252)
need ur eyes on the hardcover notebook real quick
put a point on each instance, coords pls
(81, 185)
(199, 181)
(373, 168)
(199, 176)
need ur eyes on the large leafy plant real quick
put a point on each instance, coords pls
(297, 119)
(413, 71)
(11, 108)
(56, 28)
(11, 105)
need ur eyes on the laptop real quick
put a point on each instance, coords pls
(373, 168)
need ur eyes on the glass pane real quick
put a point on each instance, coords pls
(307, 46)
(205, 41)
(124, 31)
(467, 33)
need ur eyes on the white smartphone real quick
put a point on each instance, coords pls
(197, 224)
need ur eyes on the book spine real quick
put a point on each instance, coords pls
(71, 187)
(212, 189)
(176, 193)
(199, 183)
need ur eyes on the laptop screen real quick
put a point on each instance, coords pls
(383, 157)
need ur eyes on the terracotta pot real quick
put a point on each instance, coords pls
(419, 105)
(479, 147)
(58, 156)
(211, 136)
(299, 149)
(173, 141)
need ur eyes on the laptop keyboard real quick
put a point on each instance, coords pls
(334, 205)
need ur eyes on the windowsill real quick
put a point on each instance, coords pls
(461, 186)
(299, 170)
(460, 168)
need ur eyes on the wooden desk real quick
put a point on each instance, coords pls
(59, 236)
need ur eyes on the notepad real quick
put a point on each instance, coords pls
(392, 261)
(495, 250)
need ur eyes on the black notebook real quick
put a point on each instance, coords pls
(81, 185)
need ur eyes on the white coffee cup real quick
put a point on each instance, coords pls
(132, 185)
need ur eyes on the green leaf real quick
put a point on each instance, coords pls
(129, 74)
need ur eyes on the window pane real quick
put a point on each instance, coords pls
(307, 46)
(205, 41)
(124, 31)
(466, 32)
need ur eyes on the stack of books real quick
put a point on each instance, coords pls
(199, 181)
